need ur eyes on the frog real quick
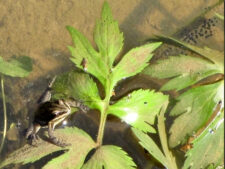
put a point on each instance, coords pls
(51, 113)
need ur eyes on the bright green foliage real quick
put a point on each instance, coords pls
(150, 146)
(74, 156)
(184, 71)
(19, 67)
(208, 148)
(61, 87)
(110, 41)
(139, 108)
(166, 157)
(110, 157)
(195, 108)
(134, 61)
(107, 36)
(84, 87)
(84, 51)
(78, 86)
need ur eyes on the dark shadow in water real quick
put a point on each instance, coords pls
(41, 162)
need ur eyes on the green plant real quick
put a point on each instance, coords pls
(199, 108)
(197, 111)
(139, 108)
(19, 67)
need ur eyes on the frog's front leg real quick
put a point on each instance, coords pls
(46, 95)
(51, 127)
(32, 132)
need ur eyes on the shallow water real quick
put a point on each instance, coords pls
(37, 29)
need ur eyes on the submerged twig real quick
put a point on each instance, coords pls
(4, 112)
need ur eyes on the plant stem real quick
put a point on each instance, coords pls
(4, 111)
(108, 93)
(101, 128)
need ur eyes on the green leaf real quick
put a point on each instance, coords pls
(147, 143)
(195, 108)
(110, 157)
(134, 61)
(84, 52)
(166, 157)
(19, 67)
(61, 87)
(184, 71)
(107, 36)
(215, 56)
(219, 16)
(74, 156)
(78, 86)
(139, 108)
(210, 146)
(171, 161)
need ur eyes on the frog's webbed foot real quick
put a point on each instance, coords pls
(33, 138)
(58, 142)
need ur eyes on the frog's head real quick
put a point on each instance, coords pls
(77, 104)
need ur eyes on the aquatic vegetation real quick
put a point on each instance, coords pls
(199, 108)
(198, 113)
(138, 108)
(219, 16)
(19, 67)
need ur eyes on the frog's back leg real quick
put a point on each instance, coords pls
(51, 126)
(46, 96)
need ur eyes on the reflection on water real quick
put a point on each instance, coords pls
(37, 29)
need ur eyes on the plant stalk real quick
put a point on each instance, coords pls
(4, 112)
(101, 128)
(109, 89)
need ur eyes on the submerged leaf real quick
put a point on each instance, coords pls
(107, 36)
(195, 107)
(110, 157)
(208, 148)
(73, 157)
(215, 56)
(219, 16)
(134, 61)
(78, 86)
(85, 57)
(184, 71)
(19, 67)
(139, 108)
(147, 143)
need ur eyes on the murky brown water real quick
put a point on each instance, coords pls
(37, 29)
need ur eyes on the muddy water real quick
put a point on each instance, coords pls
(37, 29)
